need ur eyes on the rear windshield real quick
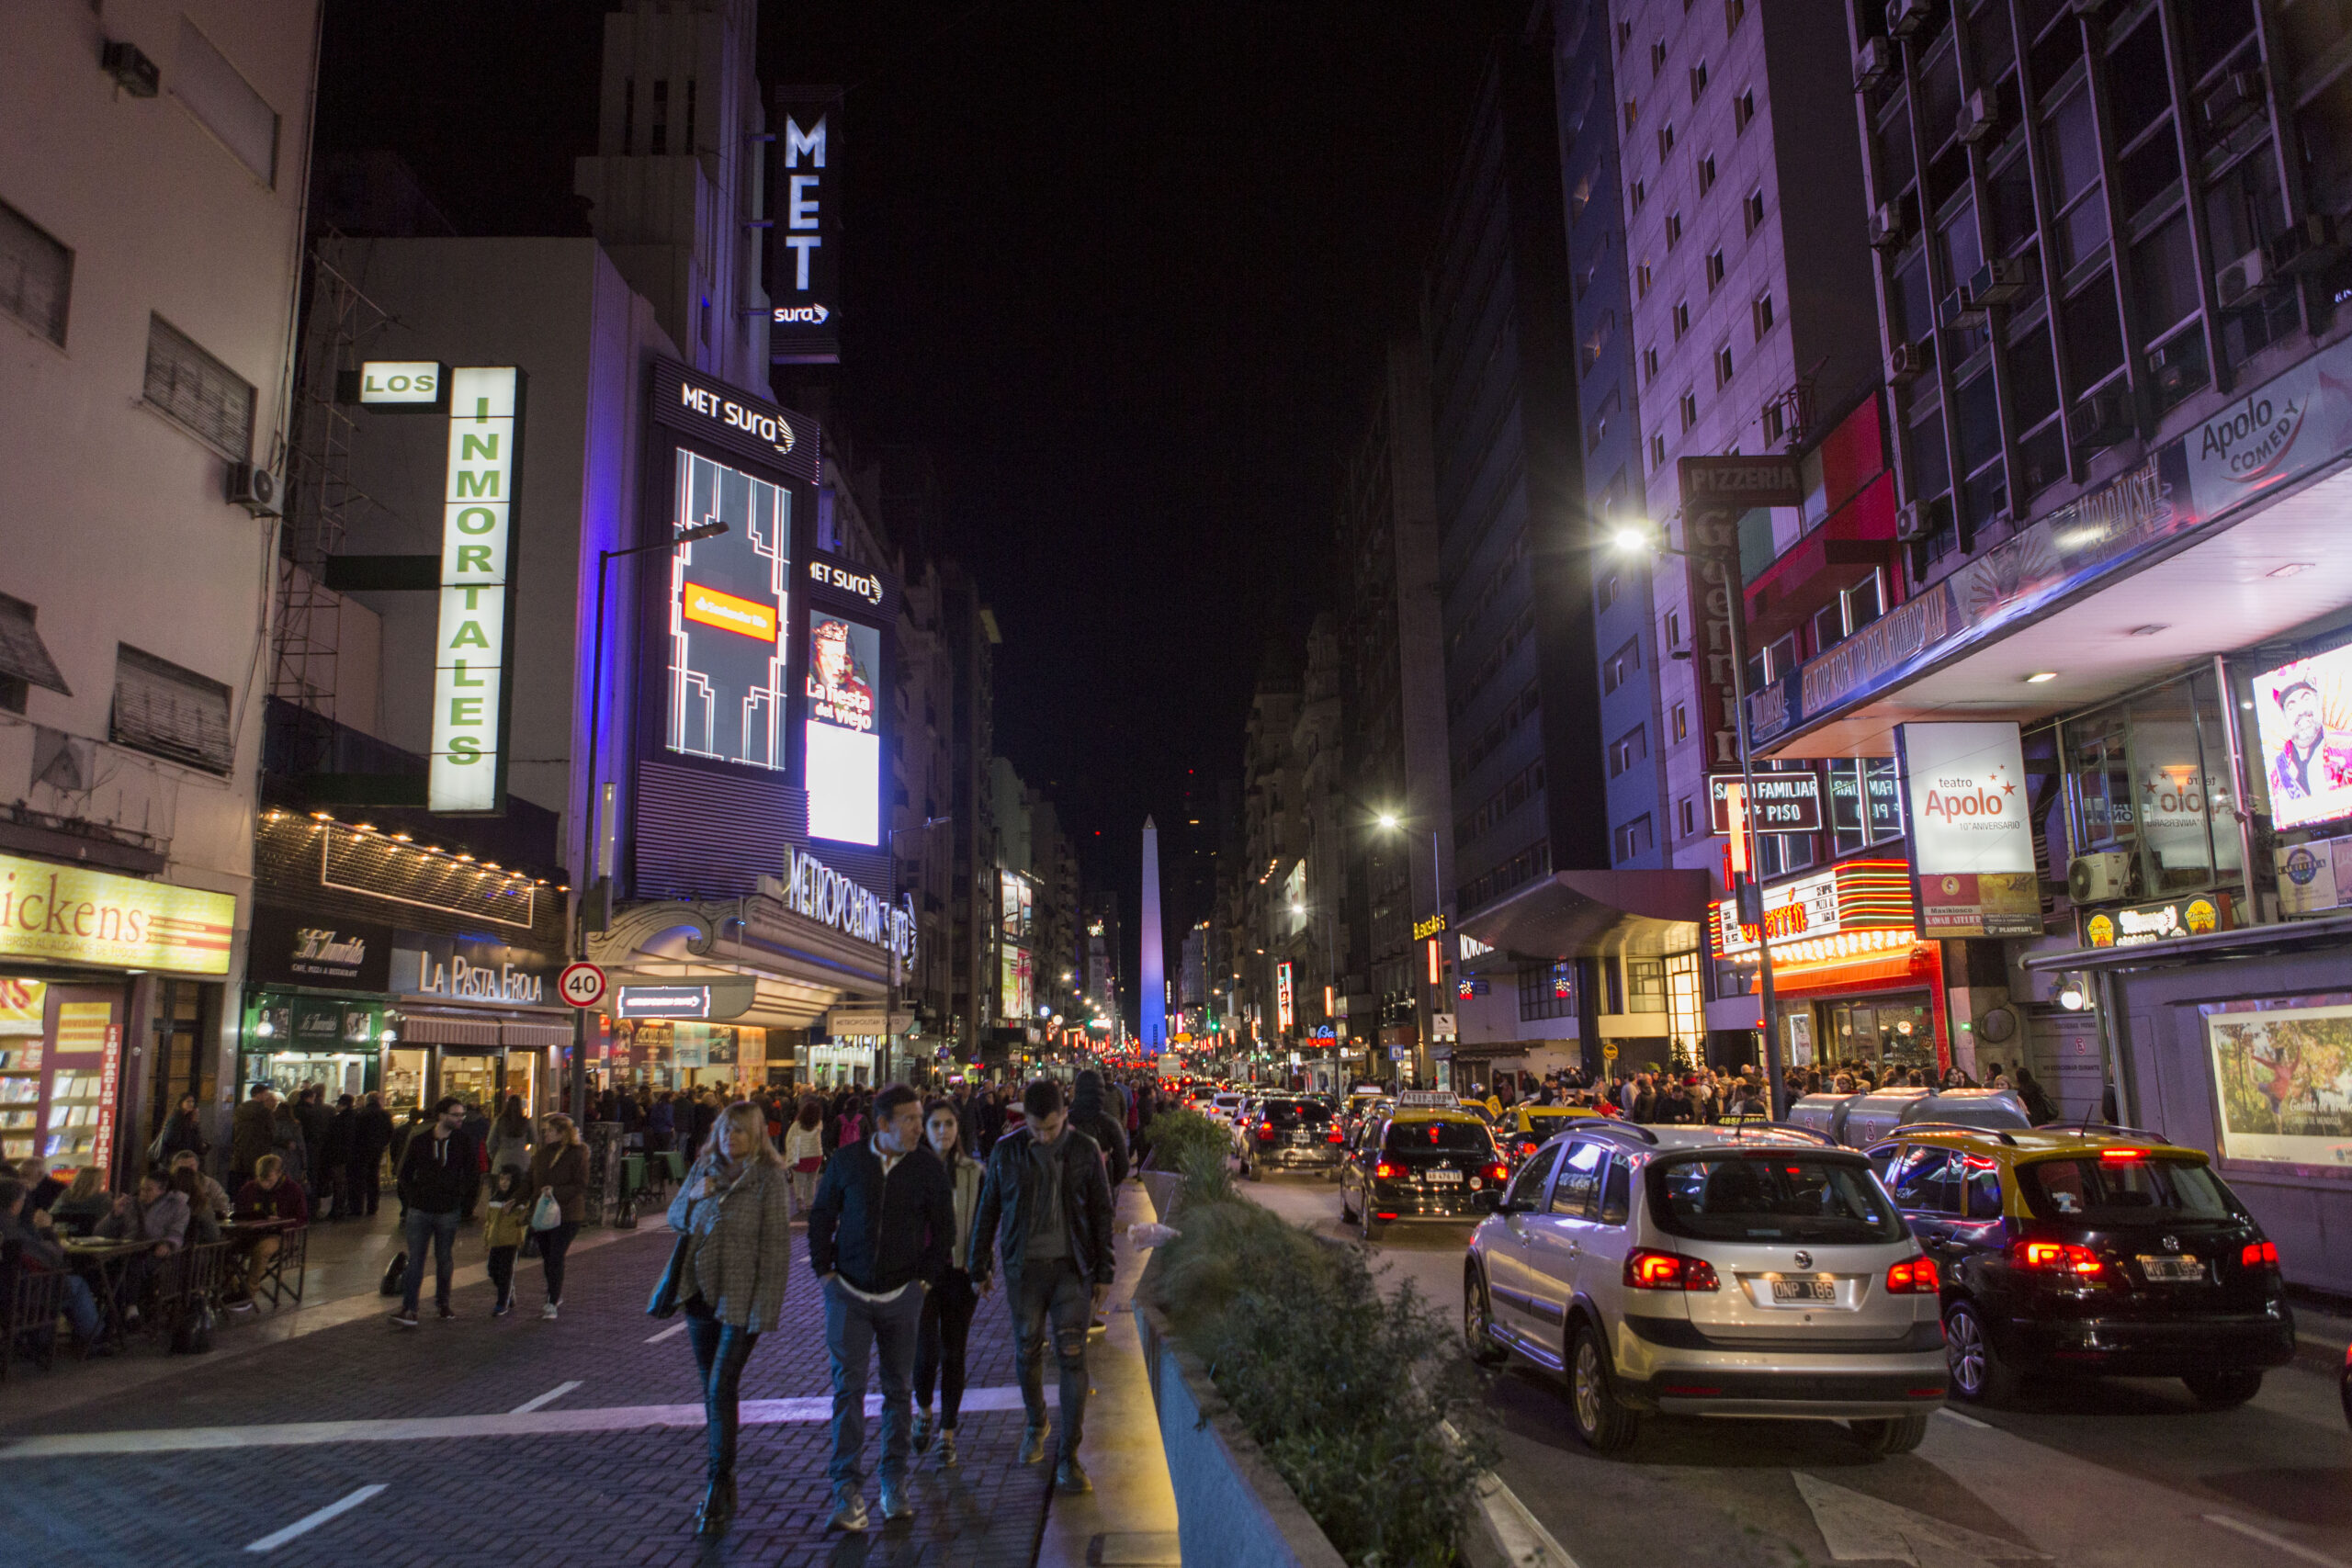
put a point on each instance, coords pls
(2118, 1190)
(1783, 1196)
(1461, 1136)
(1547, 1121)
(1294, 1113)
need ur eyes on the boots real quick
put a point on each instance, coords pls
(718, 1506)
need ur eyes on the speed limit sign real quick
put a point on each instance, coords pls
(583, 985)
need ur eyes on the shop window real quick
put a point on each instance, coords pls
(2151, 776)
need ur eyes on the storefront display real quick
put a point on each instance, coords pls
(293, 1040)
(60, 1063)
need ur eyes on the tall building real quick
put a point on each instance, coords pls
(1267, 843)
(151, 227)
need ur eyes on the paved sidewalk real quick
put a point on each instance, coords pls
(605, 1473)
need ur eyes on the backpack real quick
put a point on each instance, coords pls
(394, 1273)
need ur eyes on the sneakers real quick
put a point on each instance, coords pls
(922, 1430)
(1070, 1476)
(547, 1311)
(405, 1318)
(896, 1504)
(849, 1512)
(1032, 1442)
(445, 1310)
(947, 1451)
(501, 1309)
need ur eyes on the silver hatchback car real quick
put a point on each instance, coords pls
(1755, 1271)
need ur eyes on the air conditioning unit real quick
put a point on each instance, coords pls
(1905, 17)
(1873, 64)
(2234, 99)
(1915, 520)
(131, 68)
(2305, 246)
(2103, 419)
(1959, 310)
(2172, 366)
(1979, 118)
(2099, 876)
(254, 489)
(1906, 362)
(2004, 280)
(2240, 279)
(1886, 226)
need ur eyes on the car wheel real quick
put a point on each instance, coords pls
(1978, 1373)
(1479, 1321)
(1371, 1229)
(1894, 1435)
(1604, 1424)
(1347, 1215)
(2223, 1391)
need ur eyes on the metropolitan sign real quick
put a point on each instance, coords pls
(1971, 835)
(468, 773)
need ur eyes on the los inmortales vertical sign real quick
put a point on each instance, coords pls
(472, 661)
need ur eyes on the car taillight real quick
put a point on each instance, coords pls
(1913, 1276)
(2259, 1255)
(1266, 1130)
(2059, 1257)
(2119, 1155)
(1383, 1170)
(1527, 1147)
(1334, 1136)
(1647, 1269)
(1498, 1172)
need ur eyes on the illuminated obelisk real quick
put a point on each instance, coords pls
(1154, 968)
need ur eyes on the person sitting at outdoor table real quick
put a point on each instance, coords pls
(33, 1236)
(268, 1196)
(42, 1189)
(215, 1196)
(203, 1224)
(86, 1202)
(155, 1215)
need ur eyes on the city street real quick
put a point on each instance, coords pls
(2125, 1473)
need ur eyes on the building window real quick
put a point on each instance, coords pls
(1658, 451)
(1714, 268)
(1547, 991)
(1609, 589)
(1627, 749)
(1723, 368)
(1633, 112)
(1762, 310)
(1636, 193)
(628, 114)
(1685, 815)
(1698, 80)
(1706, 174)
(1681, 319)
(1776, 422)
(36, 275)
(1689, 407)
(1753, 208)
(1634, 838)
(1681, 723)
(1743, 110)
(1674, 632)
(1657, 58)
(1865, 802)
(1645, 984)
(1734, 12)
(1642, 281)
(171, 712)
(661, 142)
(1625, 36)
(1673, 230)
(1649, 366)
(218, 94)
(1665, 141)
(24, 657)
(1624, 662)
(211, 401)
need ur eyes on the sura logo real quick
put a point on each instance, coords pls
(802, 315)
(751, 422)
(867, 587)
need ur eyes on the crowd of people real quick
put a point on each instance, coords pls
(1707, 1094)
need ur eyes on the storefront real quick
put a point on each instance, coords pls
(477, 1018)
(73, 946)
(657, 1053)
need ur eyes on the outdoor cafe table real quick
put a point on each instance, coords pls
(104, 1264)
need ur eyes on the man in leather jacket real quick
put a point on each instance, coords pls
(1046, 1188)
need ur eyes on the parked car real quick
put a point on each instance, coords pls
(1290, 1134)
(1859, 1121)
(2067, 1251)
(1700, 1271)
(1423, 1162)
(1526, 1128)
(1222, 1106)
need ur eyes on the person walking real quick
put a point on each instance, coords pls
(737, 1206)
(439, 1168)
(510, 1136)
(335, 1160)
(371, 1135)
(560, 1166)
(251, 1134)
(313, 1115)
(879, 1238)
(946, 1328)
(184, 1134)
(804, 1151)
(506, 1224)
(1046, 1190)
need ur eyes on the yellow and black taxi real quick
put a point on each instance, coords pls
(1527, 1128)
(2079, 1251)
(1424, 1160)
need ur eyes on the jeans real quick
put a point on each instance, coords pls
(502, 1271)
(945, 1329)
(82, 1309)
(853, 1327)
(720, 1350)
(552, 1245)
(1051, 1296)
(441, 1230)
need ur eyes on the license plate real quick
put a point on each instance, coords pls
(1444, 1178)
(1804, 1289)
(2171, 1270)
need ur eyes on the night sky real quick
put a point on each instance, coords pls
(1124, 269)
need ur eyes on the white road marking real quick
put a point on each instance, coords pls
(670, 1333)
(557, 1392)
(423, 1429)
(310, 1522)
(2276, 1542)
(1966, 1420)
(1864, 1529)
(1526, 1542)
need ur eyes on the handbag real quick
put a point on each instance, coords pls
(394, 1274)
(667, 1289)
(192, 1336)
(531, 1244)
(547, 1213)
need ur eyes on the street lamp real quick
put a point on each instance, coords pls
(595, 814)
(1631, 539)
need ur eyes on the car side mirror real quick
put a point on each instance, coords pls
(1488, 1200)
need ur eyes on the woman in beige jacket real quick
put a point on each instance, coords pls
(946, 1324)
(736, 1203)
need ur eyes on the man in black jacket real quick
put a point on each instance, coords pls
(1046, 1187)
(371, 1135)
(439, 1167)
(881, 1233)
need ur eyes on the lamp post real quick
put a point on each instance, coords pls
(597, 861)
(1631, 539)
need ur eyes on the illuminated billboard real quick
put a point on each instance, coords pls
(2303, 713)
(728, 611)
(843, 771)
(468, 770)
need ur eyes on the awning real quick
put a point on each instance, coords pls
(2245, 940)
(1592, 914)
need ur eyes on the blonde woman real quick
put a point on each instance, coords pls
(559, 1165)
(736, 1203)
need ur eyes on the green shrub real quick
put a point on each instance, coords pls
(1346, 1393)
(1196, 1149)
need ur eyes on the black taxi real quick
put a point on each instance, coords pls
(1423, 1161)
(2077, 1251)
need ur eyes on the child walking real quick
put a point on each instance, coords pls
(504, 1227)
